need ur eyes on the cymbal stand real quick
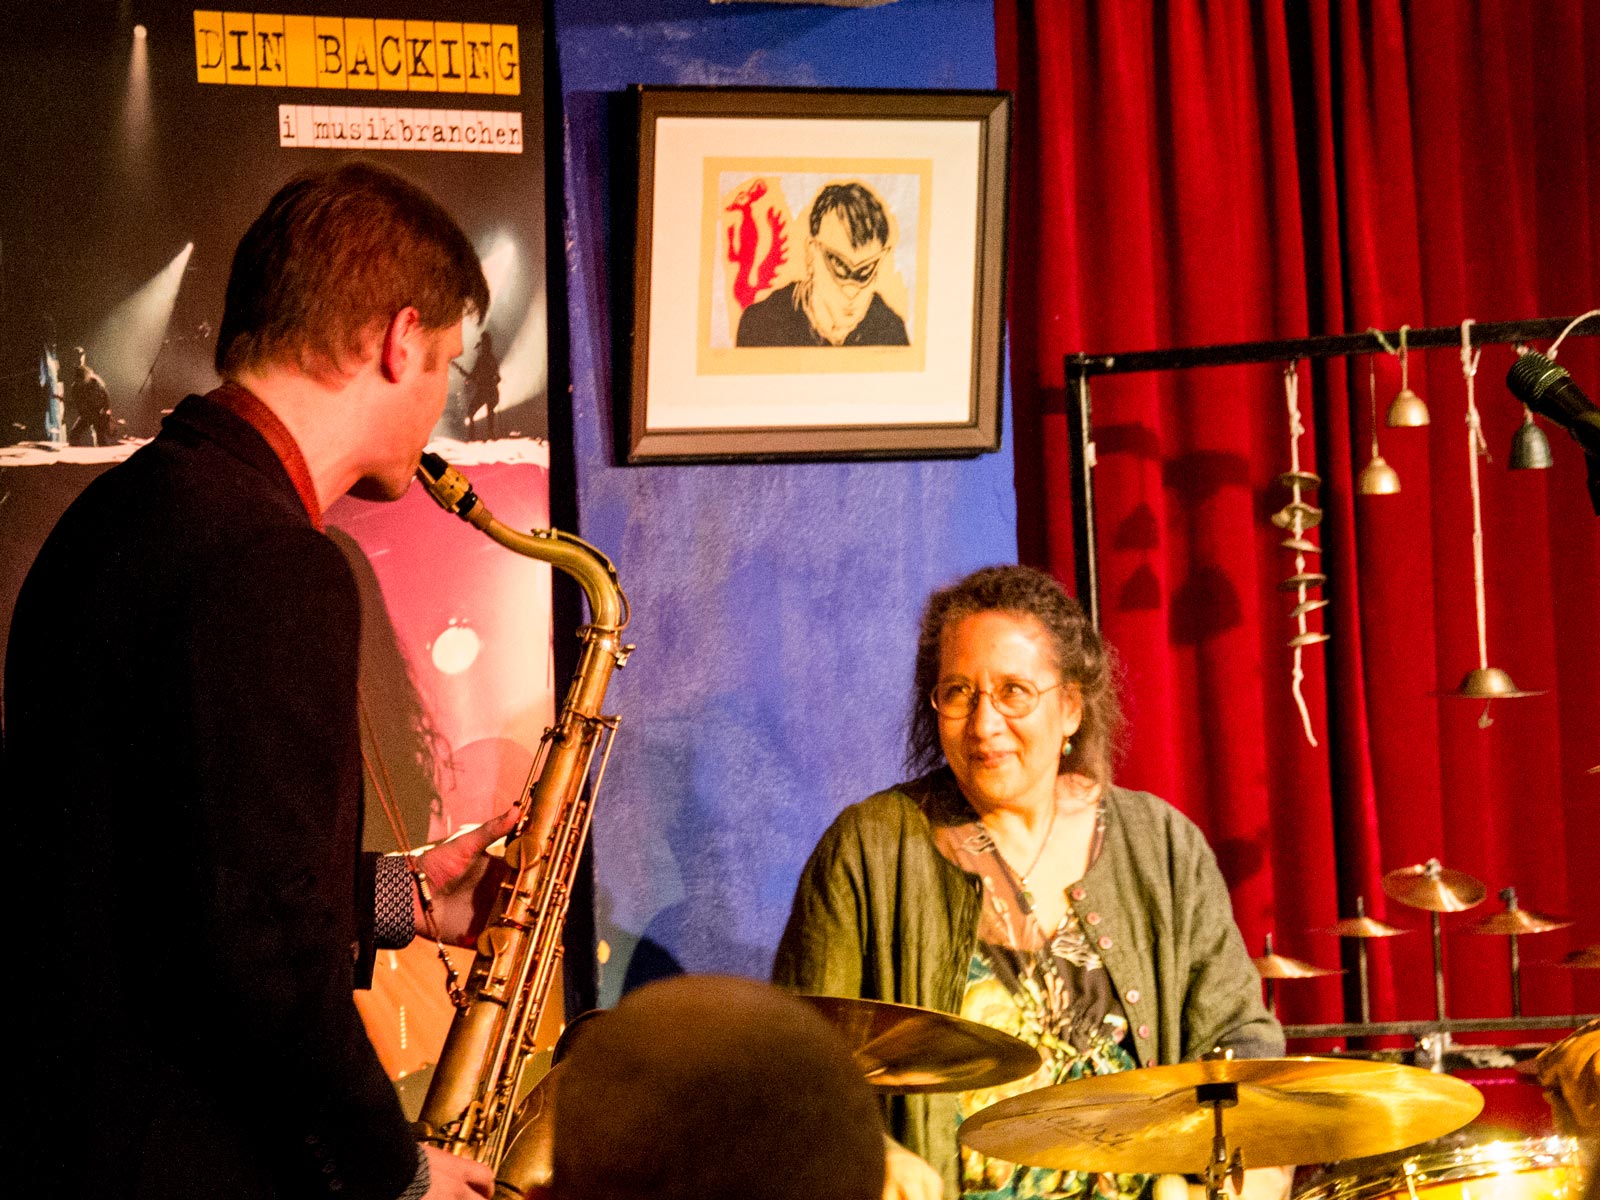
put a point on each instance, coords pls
(1272, 986)
(1222, 1167)
(1438, 963)
(1361, 965)
(1509, 895)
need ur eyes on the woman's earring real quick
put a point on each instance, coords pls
(1066, 747)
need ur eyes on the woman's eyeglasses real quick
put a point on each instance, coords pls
(1012, 698)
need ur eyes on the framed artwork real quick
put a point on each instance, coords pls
(818, 274)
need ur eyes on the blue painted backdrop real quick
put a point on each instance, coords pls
(774, 606)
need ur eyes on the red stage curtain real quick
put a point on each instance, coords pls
(1201, 172)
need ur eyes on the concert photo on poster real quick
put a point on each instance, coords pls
(143, 137)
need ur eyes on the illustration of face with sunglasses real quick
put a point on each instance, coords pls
(842, 276)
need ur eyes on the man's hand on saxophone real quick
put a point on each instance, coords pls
(454, 1178)
(462, 877)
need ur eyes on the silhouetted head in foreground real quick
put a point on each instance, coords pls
(715, 1088)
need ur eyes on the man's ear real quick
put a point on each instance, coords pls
(399, 343)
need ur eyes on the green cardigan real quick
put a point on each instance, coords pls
(880, 913)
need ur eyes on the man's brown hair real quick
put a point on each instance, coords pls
(332, 258)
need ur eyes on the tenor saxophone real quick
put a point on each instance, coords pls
(472, 1104)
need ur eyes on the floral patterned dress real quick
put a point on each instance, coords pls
(1053, 993)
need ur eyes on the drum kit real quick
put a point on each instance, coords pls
(1361, 1129)
(1359, 1123)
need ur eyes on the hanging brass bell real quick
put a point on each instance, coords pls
(1378, 478)
(1407, 410)
(1530, 449)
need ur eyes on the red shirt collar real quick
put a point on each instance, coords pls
(248, 407)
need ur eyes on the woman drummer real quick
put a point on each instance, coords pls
(1013, 883)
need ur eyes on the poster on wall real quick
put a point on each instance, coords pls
(144, 136)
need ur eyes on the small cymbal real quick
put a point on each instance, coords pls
(1586, 959)
(1303, 545)
(1310, 516)
(1434, 888)
(1310, 638)
(1289, 1111)
(901, 1048)
(1305, 479)
(1304, 579)
(1363, 927)
(1519, 921)
(1308, 606)
(1280, 966)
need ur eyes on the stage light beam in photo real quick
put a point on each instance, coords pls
(513, 295)
(136, 119)
(127, 344)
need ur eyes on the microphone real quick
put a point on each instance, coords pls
(1549, 391)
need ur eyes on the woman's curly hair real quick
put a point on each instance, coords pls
(1080, 657)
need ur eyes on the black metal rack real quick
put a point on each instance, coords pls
(1079, 367)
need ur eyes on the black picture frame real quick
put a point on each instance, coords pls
(727, 181)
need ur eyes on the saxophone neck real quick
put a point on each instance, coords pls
(608, 604)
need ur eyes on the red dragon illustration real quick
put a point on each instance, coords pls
(750, 277)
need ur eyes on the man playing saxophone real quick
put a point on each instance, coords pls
(192, 1030)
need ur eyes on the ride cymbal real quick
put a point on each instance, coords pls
(1434, 888)
(1290, 1111)
(901, 1048)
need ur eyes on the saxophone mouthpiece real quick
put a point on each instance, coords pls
(448, 486)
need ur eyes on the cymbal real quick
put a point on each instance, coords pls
(1308, 606)
(1305, 479)
(901, 1048)
(1290, 1111)
(1434, 888)
(1304, 578)
(1309, 514)
(1309, 638)
(1303, 545)
(1280, 966)
(1363, 927)
(1519, 921)
(1586, 959)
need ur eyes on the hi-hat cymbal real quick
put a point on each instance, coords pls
(1434, 888)
(901, 1048)
(1586, 959)
(1363, 927)
(1519, 921)
(1289, 1111)
(1280, 966)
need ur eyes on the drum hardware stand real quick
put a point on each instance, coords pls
(1361, 927)
(1438, 965)
(1509, 895)
(1222, 1167)
(1513, 923)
